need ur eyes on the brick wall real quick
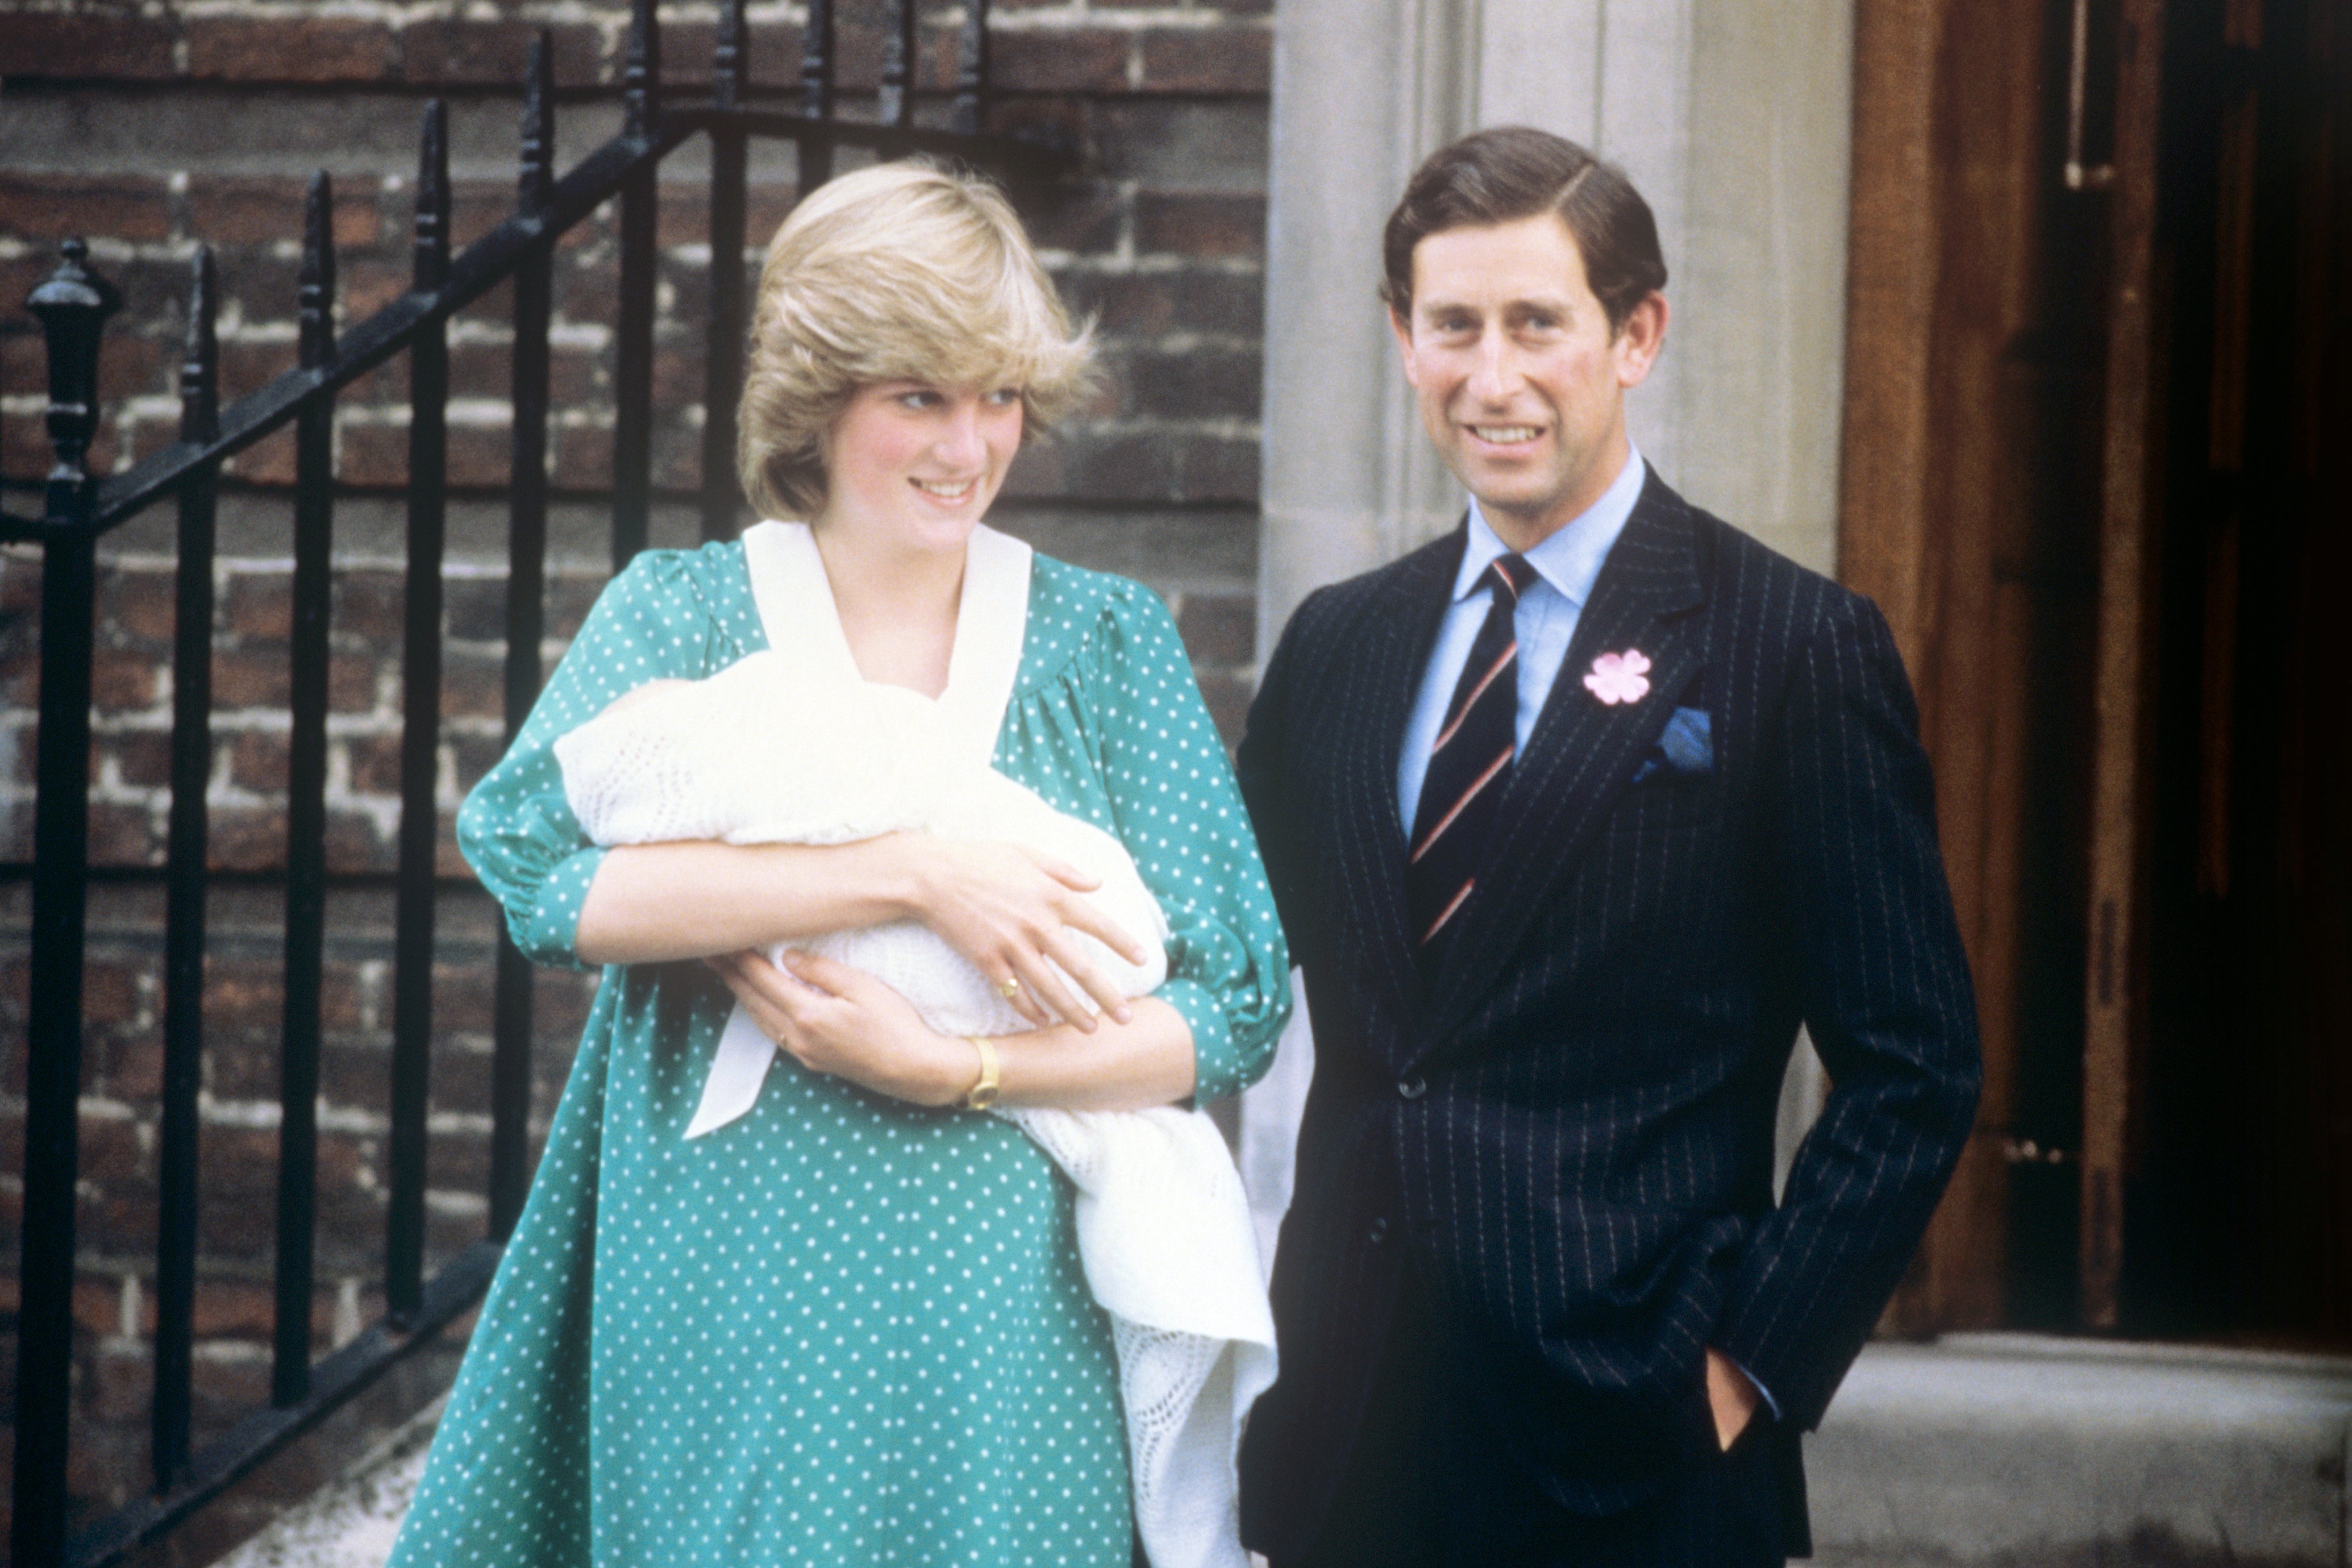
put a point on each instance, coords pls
(147, 128)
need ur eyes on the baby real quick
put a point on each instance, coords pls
(758, 754)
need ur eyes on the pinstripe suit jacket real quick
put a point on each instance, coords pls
(1568, 1132)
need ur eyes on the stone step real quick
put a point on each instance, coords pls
(2018, 1452)
(350, 1523)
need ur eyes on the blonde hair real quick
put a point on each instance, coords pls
(900, 271)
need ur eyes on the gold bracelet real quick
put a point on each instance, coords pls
(983, 1094)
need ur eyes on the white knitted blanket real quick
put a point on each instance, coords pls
(763, 753)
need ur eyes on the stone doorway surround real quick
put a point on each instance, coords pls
(1734, 121)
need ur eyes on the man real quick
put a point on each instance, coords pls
(1574, 816)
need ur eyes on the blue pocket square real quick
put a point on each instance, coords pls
(1685, 747)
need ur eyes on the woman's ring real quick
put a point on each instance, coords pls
(1010, 986)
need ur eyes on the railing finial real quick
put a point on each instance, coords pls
(200, 365)
(432, 253)
(537, 181)
(315, 310)
(73, 303)
(640, 73)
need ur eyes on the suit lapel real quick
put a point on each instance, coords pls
(1583, 751)
(1387, 655)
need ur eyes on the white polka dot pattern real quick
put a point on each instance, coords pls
(841, 1329)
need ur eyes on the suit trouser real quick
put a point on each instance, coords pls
(1430, 1485)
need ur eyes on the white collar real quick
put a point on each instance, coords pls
(795, 602)
(1570, 557)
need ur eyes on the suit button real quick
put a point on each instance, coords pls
(1412, 1088)
(1377, 1231)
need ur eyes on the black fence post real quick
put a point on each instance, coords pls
(633, 349)
(73, 305)
(969, 115)
(817, 53)
(306, 815)
(184, 907)
(723, 364)
(894, 104)
(526, 624)
(420, 738)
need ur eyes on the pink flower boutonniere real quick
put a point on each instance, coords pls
(1619, 678)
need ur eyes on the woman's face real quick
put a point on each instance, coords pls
(916, 465)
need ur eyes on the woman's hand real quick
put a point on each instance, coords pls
(843, 1021)
(846, 1024)
(1009, 909)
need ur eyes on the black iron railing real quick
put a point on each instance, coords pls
(73, 305)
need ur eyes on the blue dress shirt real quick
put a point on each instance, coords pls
(1566, 564)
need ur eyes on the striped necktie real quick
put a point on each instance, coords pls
(1469, 764)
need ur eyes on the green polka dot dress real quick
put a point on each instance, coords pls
(842, 1330)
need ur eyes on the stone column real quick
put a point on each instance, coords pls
(1363, 89)
(1733, 121)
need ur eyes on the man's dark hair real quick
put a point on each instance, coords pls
(1510, 172)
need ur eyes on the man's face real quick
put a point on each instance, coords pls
(1521, 382)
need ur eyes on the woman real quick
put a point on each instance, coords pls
(850, 1327)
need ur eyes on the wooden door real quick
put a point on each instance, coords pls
(2098, 432)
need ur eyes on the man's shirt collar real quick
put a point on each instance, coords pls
(1570, 559)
